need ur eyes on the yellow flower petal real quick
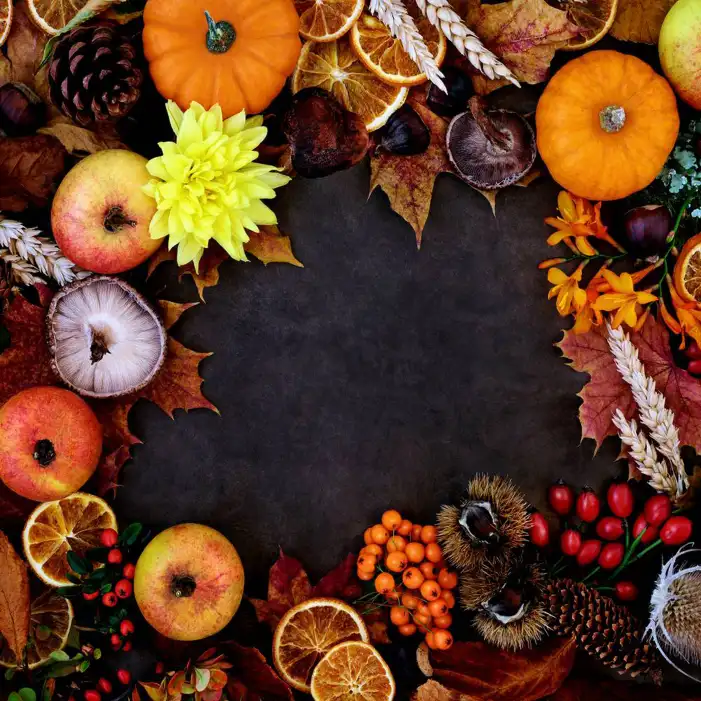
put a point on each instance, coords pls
(175, 115)
(566, 206)
(556, 276)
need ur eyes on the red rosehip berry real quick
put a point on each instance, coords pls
(114, 557)
(609, 528)
(540, 532)
(561, 498)
(570, 542)
(110, 599)
(620, 499)
(126, 627)
(115, 640)
(160, 668)
(693, 351)
(129, 570)
(127, 646)
(611, 556)
(641, 525)
(92, 695)
(658, 509)
(104, 685)
(588, 505)
(109, 537)
(72, 698)
(588, 552)
(676, 531)
(626, 591)
(123, 588)
(91, 596)
(124, 676)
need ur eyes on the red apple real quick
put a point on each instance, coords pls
(100, 216)
(189, 582)
(50, 443)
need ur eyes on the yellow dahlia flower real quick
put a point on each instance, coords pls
(207, 184)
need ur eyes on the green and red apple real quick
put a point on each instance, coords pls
(100, 216)
(680, 50)
(189, 582)
(50, 443)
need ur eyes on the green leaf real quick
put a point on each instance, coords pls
(130, 534)
(77, 563)
(67, 591)
(106, 588)
(73, 638)
(27, 694)
(97, 653)
(84, 666)
(202, 677)
(98, 575)
(61, 670)
(59, 656)
(14, 696)
(74, 578)
(9, 674)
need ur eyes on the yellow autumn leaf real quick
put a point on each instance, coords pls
(640, 20)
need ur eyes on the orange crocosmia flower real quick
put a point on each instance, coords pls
(566, 287)
(688, 314)
(588, 315)
(623, 299)
(578, 220)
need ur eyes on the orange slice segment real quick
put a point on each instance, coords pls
(594, 18)
(353, 670)
(687, 271)
(335, 67)
(307, 632)
(327, 20)
(57, 527)
(384, 55)
(49, 628)
(6, 12)
(53, 15)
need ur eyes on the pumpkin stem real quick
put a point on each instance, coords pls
(220, 35)
(612, 119)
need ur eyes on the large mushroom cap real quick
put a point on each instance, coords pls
(105, 339)
(490, 149)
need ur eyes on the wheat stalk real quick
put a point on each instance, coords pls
(394, 15)
(441, 15)
(30, 256)
(654, 415)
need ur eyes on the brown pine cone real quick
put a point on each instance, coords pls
(95, 74)
(602, 628)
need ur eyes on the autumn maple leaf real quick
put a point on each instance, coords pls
(640, 20)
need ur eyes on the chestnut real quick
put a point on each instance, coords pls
(459, 90)
(405, 134)
(647, 229)
(22, 111)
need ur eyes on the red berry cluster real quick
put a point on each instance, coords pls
(105, 686)
(408, 569)
(654, 526)
(693, 353)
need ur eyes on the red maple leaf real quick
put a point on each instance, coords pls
(606, 391)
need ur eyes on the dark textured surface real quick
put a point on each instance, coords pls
(376, 376)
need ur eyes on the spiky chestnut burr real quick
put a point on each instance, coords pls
(490, 523)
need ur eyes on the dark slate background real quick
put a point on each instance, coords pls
(377, 376)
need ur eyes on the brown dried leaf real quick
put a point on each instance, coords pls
(524, 33)
(433, 691)
(14, 598)
(251, 677)
(78, 141)
(478, 670)
(408, 181)
(587, 689)
(640, 20)
(24, 49)
(30, 170)
(270, 245)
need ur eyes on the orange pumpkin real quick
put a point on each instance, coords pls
(237, 53)
(606, 124)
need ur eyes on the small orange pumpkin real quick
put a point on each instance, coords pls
(606, 124)
(237, 53)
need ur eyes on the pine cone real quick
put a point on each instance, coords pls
(95, 75)
(601, 627)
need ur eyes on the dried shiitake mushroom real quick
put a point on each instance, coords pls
(105, 340)
(490, 149)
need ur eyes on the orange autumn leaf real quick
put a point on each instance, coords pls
(524, 33)
(640, 20)
(270, 245)
(14, 599)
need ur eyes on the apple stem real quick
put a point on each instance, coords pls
(44, 452)
(183, 586)
(115, 219)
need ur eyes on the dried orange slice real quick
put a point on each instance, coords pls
(335, 67)
(57, 527)
(353, 670)
(687, 270)
(49, 628)
(327, 20)
(54, 15)
(6, 12)
(307, 632)
(384, 55)
(593, 18)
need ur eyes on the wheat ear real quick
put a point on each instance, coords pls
(441, 15)
(654, 415)
(394, 15)
(30, 256)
